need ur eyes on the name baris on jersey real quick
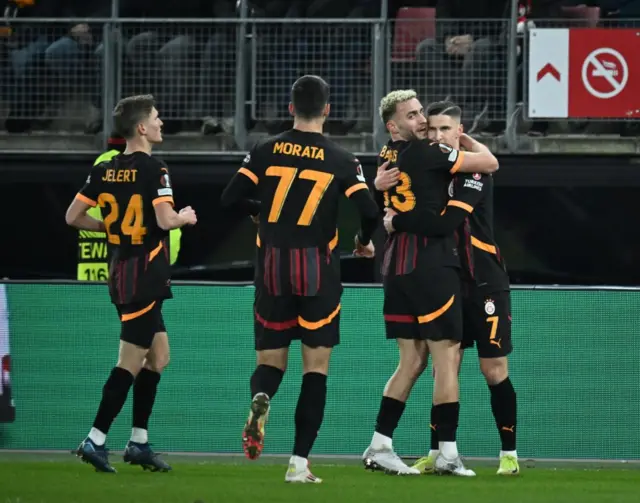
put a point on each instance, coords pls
(287, 148)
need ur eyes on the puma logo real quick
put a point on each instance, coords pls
(496, 342)
(508, 428)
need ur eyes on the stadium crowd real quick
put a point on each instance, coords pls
(191, 67)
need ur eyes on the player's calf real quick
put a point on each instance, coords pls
(264, 382)
(504, 408)
(380, 454)
(445, 354)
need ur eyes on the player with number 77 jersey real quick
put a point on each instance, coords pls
(293, 184)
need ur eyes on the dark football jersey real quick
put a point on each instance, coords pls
(299, 178)
(425, 174)
(482, 254)
(127, 188)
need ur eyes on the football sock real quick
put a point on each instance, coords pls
(433, 428)
(145, 388)
(309, 412)
(389, 415)
(114, 394)
(266, 379)
(504, 408)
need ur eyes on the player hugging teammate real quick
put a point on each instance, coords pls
(445, 280)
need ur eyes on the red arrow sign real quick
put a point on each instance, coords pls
(548, 69)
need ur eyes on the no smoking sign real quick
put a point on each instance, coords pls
(605, 73)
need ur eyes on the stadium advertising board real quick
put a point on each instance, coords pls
(561, 337)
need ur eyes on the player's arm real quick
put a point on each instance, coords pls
(85, 199)
(236, 195)
(163, 205)
(477, 158)
(468, 191)
(437, 156)
(354, 186)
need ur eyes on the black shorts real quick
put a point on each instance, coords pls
(278, 320)
(487, 322)
(424, 305)
(141, 322)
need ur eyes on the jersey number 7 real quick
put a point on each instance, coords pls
(287, 176)
(131, 222)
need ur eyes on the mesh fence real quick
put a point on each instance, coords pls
(189, 68)
(461, 60)
(340, 53)
(52, 72)
(575, 368)
(47, 74)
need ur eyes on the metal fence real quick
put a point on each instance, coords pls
(232, 76)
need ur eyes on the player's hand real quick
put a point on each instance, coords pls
(364, 251)
(385, 179)
(188, 215)
(467, 142)
(388, 219)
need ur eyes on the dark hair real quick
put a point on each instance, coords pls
(131, 111)
(444, 108)
(309, 95)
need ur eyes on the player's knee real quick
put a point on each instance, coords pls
(315, 359)
(412, 366)
(158, 362)
(494, 370)
(277, 358)
(131, 357)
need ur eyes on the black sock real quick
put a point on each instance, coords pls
(389, 415)
(266, 379)
(504, 408)
(433, 427)
(114, 394)
(309, 412)
(144, 396)
(446, 416)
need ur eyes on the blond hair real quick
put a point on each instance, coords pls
(389, 103)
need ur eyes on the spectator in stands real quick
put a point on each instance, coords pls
(468, 60)
(47, 58)
(164, 59)
(338, 52)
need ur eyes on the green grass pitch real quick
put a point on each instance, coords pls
(46, 478)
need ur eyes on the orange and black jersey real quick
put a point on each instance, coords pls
(470, 212)
(126, 188)
(425, 174)
(294, 181)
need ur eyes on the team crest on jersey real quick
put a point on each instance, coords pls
(359, 173)
(450, 190)
(489, 307)
(477, 176)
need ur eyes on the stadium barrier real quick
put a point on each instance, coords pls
(575, 368)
